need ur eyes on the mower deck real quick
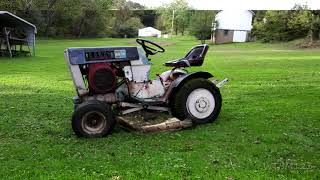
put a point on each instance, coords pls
(156, 124)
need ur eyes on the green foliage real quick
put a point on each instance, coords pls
(201, 24)
(259, 15)
(180, 11)
(129, 28)
(124, 23)
(299, 24)
(161, 24)
(78, 18)
(315, 25)
(274, 27)
(62, 18)
(286, 25)
(8, 5)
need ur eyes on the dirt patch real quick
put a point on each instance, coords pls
(165, 43)
(161, 43)
(308, 44)
(251, 51)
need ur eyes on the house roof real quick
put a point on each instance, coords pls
(8, 19)
(246, 10)
(150, 28)
(234, 20)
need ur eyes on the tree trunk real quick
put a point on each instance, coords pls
(80, 27)
(48, 23)
(314, 29)
(315, 35)
(49, 14)
(182, 30)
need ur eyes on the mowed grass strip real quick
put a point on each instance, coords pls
(269, 126)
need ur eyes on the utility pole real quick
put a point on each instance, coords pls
(172, 23)
(213, 28)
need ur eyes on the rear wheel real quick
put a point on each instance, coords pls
(199, 100)
(92, 119)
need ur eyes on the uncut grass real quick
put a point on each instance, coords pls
(268, 128)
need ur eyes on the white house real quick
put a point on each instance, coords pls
(149, 32)
(233, 26)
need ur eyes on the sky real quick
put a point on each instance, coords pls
(237, 4)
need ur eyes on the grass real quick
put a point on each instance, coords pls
(269, 126)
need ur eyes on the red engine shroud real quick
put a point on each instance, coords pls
(102, 78)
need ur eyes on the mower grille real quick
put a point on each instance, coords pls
(102, 78)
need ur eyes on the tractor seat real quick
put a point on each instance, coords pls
(194, 57)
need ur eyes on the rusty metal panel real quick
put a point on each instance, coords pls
(150, 89)
(137, 73)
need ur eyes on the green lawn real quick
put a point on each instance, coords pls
(269, 126)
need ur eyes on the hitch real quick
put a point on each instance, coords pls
(221, 83)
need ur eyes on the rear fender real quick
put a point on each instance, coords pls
(165, 76)
(176, 84)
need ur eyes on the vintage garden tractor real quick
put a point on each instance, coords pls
(111, 80)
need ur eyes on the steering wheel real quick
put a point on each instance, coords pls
(149, 50)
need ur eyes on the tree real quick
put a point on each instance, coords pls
(134, 5)
(124, 23)
(315, 25)
(130, 28)
(90, 17)
(49, 7)
(288, 25)
(273, 27)
(201, 24)
(161, 24)
(182, 15)
(9, 5)
(174, 16)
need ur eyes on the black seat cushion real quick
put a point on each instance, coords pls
(178, 63)
(194, 57)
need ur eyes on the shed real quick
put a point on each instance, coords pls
(15, 34)
(233, 26)
(149, 32)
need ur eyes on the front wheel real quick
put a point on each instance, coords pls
(92, 119)
(199, 100)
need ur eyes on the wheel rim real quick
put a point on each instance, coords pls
(93, 122)
(200, 103)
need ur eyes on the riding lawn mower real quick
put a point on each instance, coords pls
(115, 80)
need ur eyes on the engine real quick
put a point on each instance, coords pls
(102, 78)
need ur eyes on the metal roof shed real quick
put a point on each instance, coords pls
(149, 32)
(11, 21)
